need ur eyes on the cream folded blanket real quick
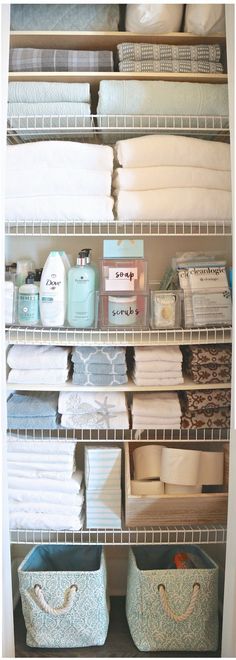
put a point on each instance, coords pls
(57, 181)
(60, 154)
(40, 376)
(123, 97)
(71, 485)
(88, 402)
(174, 204)
(21, 496)
(154, 178)
(173, 150)
(162, 404)
(59, 209)
(96, 420)
(46, 92)
(38, 357)
(143, 381)
(53, 521)
(158, 353)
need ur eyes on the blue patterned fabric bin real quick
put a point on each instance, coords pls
(63, 593)
(172, 609)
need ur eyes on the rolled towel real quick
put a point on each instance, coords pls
(155, 178)
(175, 66)
(162, 404)
(171, 150)
(59, 209)
(85, 17)
(107, 403)
(38, 376)
(144, 51)
(38, 357)
(71, 486)
(99, 379)
(46, 59)
(95, 420)
(48, 92)
(54, 521)
(58, 154)
(200, 205)
(111, 355)
(124, 97)
(158, 353)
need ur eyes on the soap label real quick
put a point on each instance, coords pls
(121, 274)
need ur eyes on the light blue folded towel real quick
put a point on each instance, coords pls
(59, 108)
(99, 379)
(138, 97)
(48, 92)
(111, 370)
(107, 355)
(34, 410)
(65, 17)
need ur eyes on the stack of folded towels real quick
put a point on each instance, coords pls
(205, 409)
(38, 364)
(151, 185)
(42, 99)
(208, 364)
(156, 410)
(202, 58)
(51, 59)
(157, 366)
(59, 181)
(44, 490)
(32, 410)
(93, 410)
(99, 366)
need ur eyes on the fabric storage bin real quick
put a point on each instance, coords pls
(172, 609)
(63, 593)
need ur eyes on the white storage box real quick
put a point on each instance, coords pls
(102, 468)
(103, 509)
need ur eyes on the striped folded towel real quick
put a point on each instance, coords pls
(176, 66)
(47, 59)
(141, 51)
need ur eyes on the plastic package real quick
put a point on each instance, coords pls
(203, 308)
(165, 309)
(204, 19)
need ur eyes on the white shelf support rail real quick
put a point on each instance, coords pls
(120, 435)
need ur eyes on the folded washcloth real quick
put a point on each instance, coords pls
(99, 379)
(213, 419)
(210, 354)
(96, 420)
(58, 154)
(59, 209)
(158, 353)
(106, 403)
(38, 357)
(145, 51)
(200, 205)
(197, 400)
(156, 381)
(69, 486)
(22, 496)
(209, 373)
(152, 404)
(75, 17)
(123, 97)
(48, 92)
(39, 376)
(171, 150)
(175, 66)
(54, 521)
(46, 59)
(56, 181)
(107, 369)
(164, 176)
(111, 355)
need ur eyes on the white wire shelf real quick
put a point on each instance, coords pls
(124, 337)
(115, 126)
(120, 435)
(69, 386)
(143, 228)
(135, 536)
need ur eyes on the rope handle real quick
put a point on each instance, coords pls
(167, 609)
(63, 609)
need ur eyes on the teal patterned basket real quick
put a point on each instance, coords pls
(172, 609)
(63, 593)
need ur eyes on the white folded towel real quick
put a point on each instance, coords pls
(156, 150)
(174, 204)
(31, 496)
(58, 181)
(60, 154)
(164, 176)
(148, 425)
(45, 507)
(88, 402)
(66, 208)
(57, 448)
(159, 375)
(46, 484)
(142, 381)
(155, 420)
(38, 473)
(158, 353)
(38, 357)
(42, 457)
(157, 367)
(162, 404)
(48, 521)
(39, 376)
(95, 420)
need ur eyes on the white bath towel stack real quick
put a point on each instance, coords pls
(157, 366)
(38, 364)
(68, 181)
(93, 410)
(156, 410)
(45, 490)
(172, 178)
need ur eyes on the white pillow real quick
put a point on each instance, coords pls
(154, 19)
(203, 19)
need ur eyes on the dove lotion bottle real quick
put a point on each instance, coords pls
(52, 295)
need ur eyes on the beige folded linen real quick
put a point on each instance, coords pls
(142, 381)
(162, 404)
(145, 420)
(174, 204)
(156, 150)
(159, 375)
(164, 176)
(153, 427)
(168, 371)
(149, 354)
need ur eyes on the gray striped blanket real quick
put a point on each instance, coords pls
(46, 59)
